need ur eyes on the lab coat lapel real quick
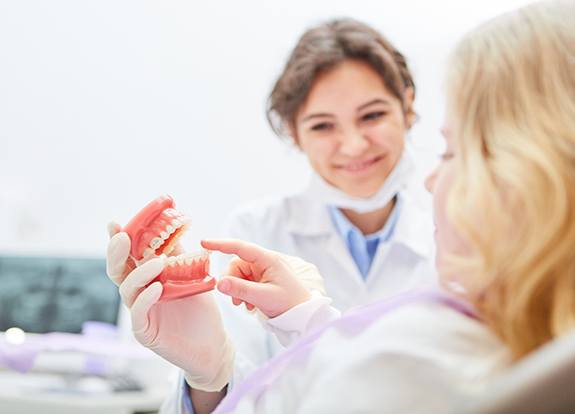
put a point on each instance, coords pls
(335, 246)
(310, 219)
(378, 261)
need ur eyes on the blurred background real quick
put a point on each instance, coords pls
(106, 104)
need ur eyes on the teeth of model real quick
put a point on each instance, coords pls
(176, 223)
(164, 235)
(156, 242)
(199, 255)
(170, 229)
(187, 258)
(148, 252)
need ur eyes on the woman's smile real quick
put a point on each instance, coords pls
(359, 167)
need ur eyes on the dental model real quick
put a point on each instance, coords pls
(154, 232)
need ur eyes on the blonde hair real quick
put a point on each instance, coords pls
(511, 89)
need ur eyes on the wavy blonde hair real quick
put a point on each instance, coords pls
(511, 89)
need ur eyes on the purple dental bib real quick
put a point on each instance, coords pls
(351, 323)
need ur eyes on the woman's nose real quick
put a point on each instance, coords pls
(353, 143)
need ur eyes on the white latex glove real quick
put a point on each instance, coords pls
(269, 281)
(187, 332)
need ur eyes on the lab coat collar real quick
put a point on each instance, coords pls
(309, 217)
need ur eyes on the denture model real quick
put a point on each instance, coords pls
(155, 231)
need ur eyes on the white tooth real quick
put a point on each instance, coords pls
(176, 223)
(181, 260)
(148, 252)
(156, 242)
(189, 260)
(164, 235)
(170, 261)
(170, 229)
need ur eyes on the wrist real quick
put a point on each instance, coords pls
(205, 401)
(220, 375)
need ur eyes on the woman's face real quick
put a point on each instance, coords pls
(447, 239)
(352, 128)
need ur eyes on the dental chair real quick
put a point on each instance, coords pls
(543, 382)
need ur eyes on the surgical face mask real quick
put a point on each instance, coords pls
(397, 180)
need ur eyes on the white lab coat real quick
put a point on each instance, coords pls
(299, 225)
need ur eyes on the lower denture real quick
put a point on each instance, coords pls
(182, 279)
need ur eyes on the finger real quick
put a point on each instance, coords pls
(138, 279)
(249, 252)
(258, 294)
(113, 228)
(141, 309)
(236, 265)
(117, 256)
(249, 306)
(242, 269)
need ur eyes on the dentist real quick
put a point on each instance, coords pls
(345, 99)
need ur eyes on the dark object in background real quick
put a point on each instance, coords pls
(47, 294)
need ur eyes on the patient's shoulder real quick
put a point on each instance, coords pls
(416, 358)
(436, 333)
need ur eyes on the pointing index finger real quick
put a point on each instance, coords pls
(246, 251)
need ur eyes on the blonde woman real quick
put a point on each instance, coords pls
(504, 203)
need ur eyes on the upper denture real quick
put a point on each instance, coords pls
(155, 231)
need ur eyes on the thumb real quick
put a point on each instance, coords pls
(258, 294)
(113, 228)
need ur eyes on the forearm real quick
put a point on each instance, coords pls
(205, 402)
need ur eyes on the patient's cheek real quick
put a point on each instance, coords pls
(448, 240)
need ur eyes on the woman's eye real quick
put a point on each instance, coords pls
(324, 126)
(373, 115)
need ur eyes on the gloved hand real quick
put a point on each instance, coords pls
(270, 281)
(187, 332)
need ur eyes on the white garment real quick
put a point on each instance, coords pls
(301, 226)
(416, 359)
